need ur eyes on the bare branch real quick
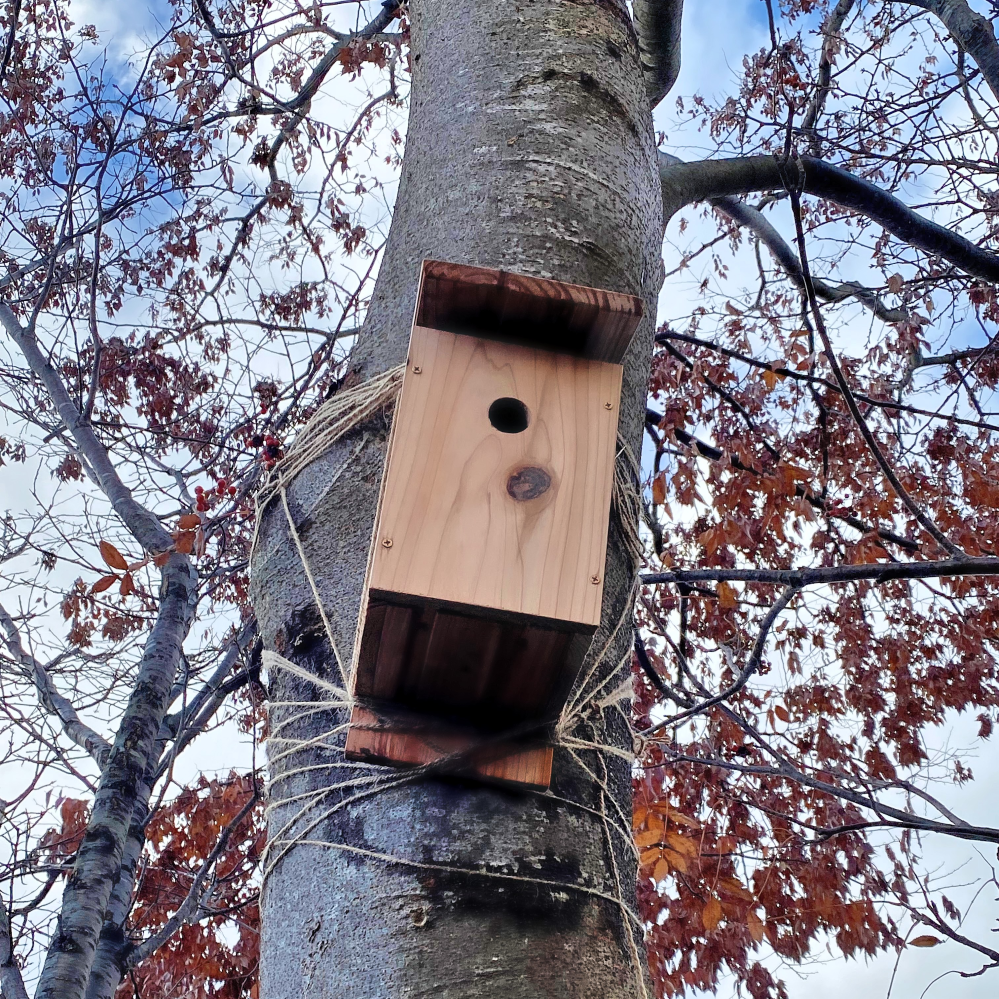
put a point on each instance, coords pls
(898, 818)
(878, 573)
(972, 32)
(190, 908)
(145, 527)
(685, 183)
(83, 735)
(11, 982)
(758, 224)
(925, 521)
(716, 454)
(745, 674)
(891, 405)
(830, 31)
(657, 23)
(8, 49)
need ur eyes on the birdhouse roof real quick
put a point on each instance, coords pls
(569, 318)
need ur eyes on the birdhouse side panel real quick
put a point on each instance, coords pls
(498, 485)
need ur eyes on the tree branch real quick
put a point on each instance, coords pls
(98, 864)
(685, 183)
(83, 735)
(757, 223)
(971, 31)
(11, 982)
(716, 454)
(190, 907)
(876, 572)
(868, 400)
(72, 950)
(144, 526)
(745, 674)
(830, 29)
(657, 24)
(924, 520)
(8, 49)
(899, 818)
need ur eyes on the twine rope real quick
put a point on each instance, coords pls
(584, 711)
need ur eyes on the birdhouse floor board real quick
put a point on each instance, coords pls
(447, 660)
(389, 736)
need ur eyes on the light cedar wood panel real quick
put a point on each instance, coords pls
(450, 507)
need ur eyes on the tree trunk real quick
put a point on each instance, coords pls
(530, 148)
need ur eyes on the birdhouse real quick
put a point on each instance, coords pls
(485, 575)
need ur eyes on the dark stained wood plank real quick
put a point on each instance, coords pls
(590, 322)
(393, 649)
(459, 660)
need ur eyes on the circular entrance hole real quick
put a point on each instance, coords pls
(508, 416)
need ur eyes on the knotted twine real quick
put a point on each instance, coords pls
(343, 412)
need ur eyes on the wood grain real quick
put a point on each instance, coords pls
(450, 529)
(386, 735)
(494, 673)
(588, 322)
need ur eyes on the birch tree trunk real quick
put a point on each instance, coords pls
(530, 148)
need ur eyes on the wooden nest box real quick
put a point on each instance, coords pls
(485, 575)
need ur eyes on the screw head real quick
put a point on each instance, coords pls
(417, 369)
(608, 405)
(386, 542)
(595, 579)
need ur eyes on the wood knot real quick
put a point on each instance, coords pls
(528, 483)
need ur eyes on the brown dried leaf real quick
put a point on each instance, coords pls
(104, 583)
(112, 556)
(659, 489)
(189, 522)
(726, 844)
(682, 844)
(662, 869)
(649, 857)
(677, 860)
(127, 585)
(185, 542)
(648, 837)
(733, 886)
(712, 915)
(684, 820)
(755, 926)
(782, 713)
(161, 560)
(925, 941)
(726, 596)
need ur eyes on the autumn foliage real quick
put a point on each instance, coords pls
(784, 815)
(215, 955)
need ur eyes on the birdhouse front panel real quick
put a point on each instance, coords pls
(499, 479)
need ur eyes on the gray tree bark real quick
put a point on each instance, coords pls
(530, 148)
